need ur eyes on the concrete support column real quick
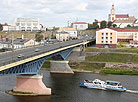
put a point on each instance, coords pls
(60, 67)
(77, 54)
(77, 49)
(31, 83)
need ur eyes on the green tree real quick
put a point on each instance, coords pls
(90, 26)
(109, 24)
(114, 25)
(95, 25)
(128, 25)
(38, 37)
(55, 28)
(6, 24)
(103, 24)
(1, 27)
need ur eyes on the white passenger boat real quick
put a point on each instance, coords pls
(98, 84)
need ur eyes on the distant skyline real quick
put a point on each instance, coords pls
(58, 12)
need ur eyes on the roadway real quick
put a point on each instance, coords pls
(6, 58)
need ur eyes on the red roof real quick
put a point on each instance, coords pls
(121, 29)
(125, 30)
(79, 23)
(122, 16)
(133, 41)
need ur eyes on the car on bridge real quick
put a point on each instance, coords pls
(20, 56)
(37, 50)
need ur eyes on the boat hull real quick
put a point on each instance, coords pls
(116, 89)
(87, 85)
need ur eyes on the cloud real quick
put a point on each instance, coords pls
(81, 6)
(58, 12)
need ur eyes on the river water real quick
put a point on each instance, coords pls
(65, 88)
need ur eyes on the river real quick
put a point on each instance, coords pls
(65, 88)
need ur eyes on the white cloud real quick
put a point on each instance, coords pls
(81, 6)
(58, 12)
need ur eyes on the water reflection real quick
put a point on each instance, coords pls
(33, 99)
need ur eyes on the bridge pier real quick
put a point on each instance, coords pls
(77, 54)
(32, 84)
(60, 67)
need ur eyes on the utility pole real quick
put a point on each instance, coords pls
(12, 46)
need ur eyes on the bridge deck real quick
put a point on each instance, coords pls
(6, 61)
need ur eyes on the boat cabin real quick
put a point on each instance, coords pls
(113, 83)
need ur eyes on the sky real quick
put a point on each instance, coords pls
(59, 12)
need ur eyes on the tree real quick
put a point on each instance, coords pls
(94, 25)
(55, 28)
(90, 26)
(6, 24)
(103, 24)
(128, 25)
(109, 24)
(38, 37)
(114, 25)
(1, 27)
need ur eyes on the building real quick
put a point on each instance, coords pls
(62, 36)
(134, 42)
(27, 24)
(18, 43)
(106, 38)
(10, 28)
(72, 31)
(78, 25)
(121, 20)
(136, 23)
(126, 35)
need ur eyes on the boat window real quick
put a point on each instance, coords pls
(119, 84)
(111, 83)
(95, 82)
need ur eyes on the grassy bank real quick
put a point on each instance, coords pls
(131, 50)
(86, 66)
(113, 57)
(46, 65)
(118, 71)
(18, 92)
(96, 68)
(99, 67)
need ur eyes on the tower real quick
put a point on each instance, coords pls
(112, 15)
(69, 23)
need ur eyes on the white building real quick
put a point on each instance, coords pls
(136, 23)
(27, 24)
(72, 31)
(62, 36)
(18, 43)
(10, 28)
(80, 25)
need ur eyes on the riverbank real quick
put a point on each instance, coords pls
(11, 92)
(100, 68)
(94, 67)
(18, 93)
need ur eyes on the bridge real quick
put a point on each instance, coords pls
(28, 65)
